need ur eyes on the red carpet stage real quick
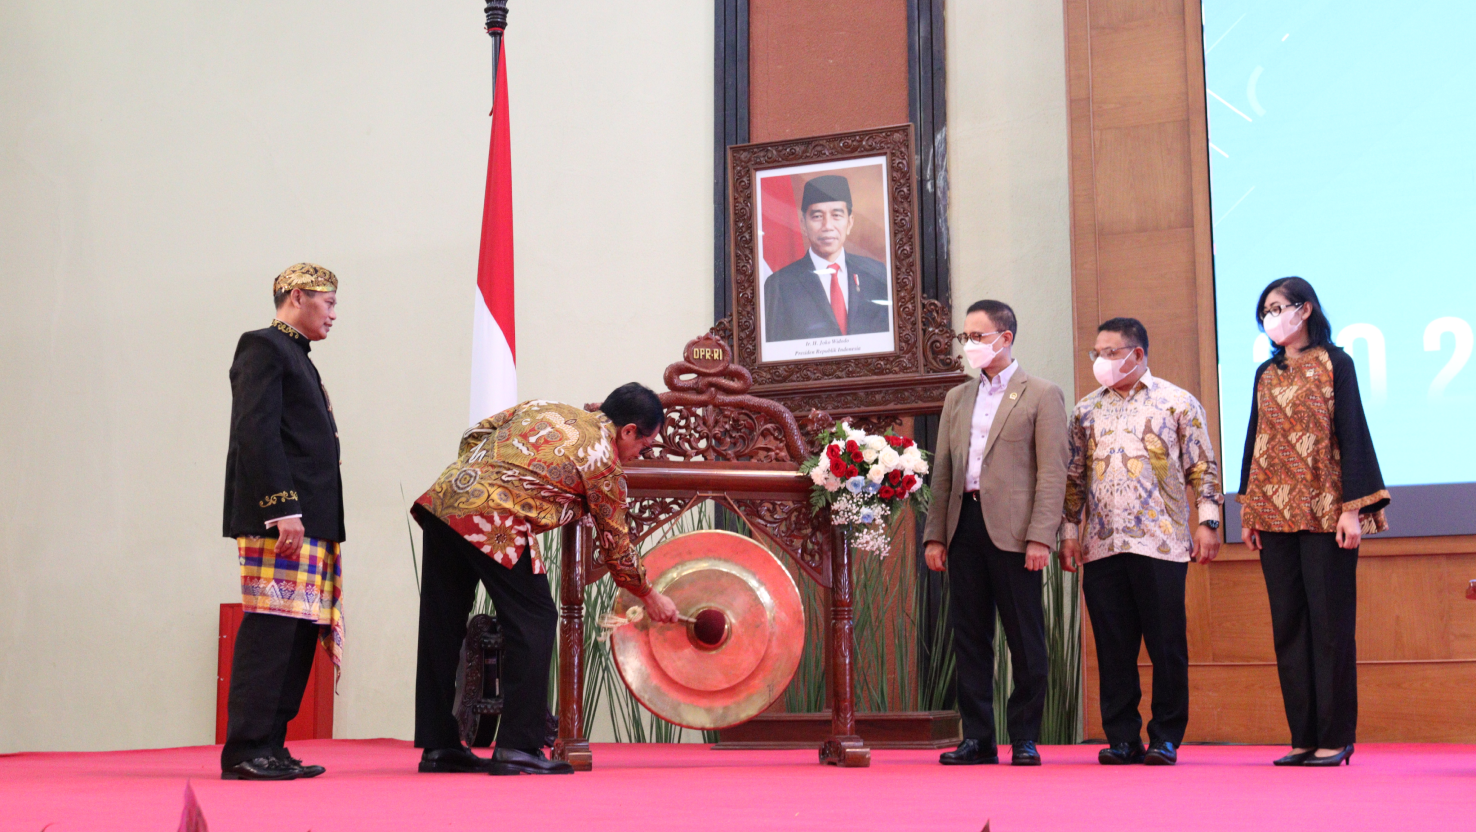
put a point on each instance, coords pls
(371, 785)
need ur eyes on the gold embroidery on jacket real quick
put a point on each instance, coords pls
(273, 499)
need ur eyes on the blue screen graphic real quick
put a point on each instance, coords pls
(1341, 150)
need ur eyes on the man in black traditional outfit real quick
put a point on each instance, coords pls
(284, 507)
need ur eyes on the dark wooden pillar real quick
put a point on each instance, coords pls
(843, 747)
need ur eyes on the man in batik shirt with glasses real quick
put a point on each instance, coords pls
(1139, 445)
(527, 470)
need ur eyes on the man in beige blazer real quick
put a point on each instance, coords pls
(999, 484)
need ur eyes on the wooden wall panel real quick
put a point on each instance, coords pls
(1141, 246)
(825, 66)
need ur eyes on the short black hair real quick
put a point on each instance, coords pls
(1131, 330)
(1000, 314)
(282, 296)
(634, 402)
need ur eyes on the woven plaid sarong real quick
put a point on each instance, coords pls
(308, 586)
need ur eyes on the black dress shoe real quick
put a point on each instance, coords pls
(261, 768)
(304, 772)
(970, 753)
(1344, 756)
(1295, 758)
(458, 760)
(515, 761)
(1161, 754)
(1121, 754)
(1024, 754)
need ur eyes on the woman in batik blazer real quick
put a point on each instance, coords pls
(1310, 488)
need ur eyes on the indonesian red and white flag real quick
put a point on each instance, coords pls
(494, 370)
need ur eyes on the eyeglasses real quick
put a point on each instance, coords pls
(1276, 310)
(974, 337)
(1111, 354)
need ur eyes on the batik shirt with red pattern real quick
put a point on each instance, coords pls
(530, 469)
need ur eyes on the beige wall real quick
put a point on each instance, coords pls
(1009, 178)
(161, 163)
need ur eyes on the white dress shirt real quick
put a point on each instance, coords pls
(822, 271)
(991, 393)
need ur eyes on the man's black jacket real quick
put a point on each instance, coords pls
(283, 456)
(795, 304)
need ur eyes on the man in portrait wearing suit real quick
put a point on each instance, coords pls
(829, 291)
(284, 507)
(999, 481)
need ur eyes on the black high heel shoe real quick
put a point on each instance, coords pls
(1295, 758)
(1332, 761)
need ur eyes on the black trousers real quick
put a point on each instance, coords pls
(449, 573)
(1136, 600)
(1313, 587)
(269, 672)
(982, 578)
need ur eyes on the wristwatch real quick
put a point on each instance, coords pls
(1213, 524)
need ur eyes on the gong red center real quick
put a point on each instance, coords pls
(710, 627)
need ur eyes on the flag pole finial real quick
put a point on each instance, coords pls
(496, 23)
(496, 17)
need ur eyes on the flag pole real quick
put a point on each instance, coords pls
(496, 22)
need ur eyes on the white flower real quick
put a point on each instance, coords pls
(831, 483)
(920, 468)
(824, 464)
(817, 475)
(888, 459)
(869, 455)
(876, 443)
(876, 474)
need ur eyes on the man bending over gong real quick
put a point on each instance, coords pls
(529, 469)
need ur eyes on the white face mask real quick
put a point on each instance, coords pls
(1109, 372)
(1279, 328)
(981, 355)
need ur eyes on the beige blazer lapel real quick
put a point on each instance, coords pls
(1014, 392)
(961, 423)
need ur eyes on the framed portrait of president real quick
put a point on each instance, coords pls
(824, 257)
(824, 262)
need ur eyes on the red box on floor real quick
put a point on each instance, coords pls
(314, 719)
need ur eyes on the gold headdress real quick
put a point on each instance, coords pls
(305, 276)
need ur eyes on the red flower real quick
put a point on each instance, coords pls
(909, 482)
(851, 446)
(856, 457)
(851, 471)
(886, 492)
(894, 477)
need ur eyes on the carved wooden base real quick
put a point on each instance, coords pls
(574, 752)
(847, 752)
(907, 729)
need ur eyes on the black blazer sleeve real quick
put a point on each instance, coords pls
(1362, 481)
(256, 416)
(1250, 430)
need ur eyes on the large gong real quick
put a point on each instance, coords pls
(738, 644)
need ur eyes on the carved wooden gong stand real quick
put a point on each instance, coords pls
(720, 443)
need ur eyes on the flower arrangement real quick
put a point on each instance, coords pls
(866, 480)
